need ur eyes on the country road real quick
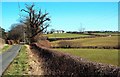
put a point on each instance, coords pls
(7, 57)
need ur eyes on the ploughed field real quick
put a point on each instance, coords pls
(107, 56)
(111, 41)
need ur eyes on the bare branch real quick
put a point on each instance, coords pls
(39, 31)
(25, 10)
(38, 16)
(35, 21)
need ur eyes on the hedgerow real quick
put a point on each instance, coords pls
(56, 63)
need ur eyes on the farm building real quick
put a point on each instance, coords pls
(59, 31)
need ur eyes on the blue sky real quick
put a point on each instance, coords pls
(69, 16)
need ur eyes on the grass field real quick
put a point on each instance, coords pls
(19, 66)
(96, 55)
(98, 41)
(64, 35)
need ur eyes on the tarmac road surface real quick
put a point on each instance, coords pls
(7, 57)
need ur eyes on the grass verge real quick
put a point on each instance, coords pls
(108, 56)
(20, 65)
(5, 48)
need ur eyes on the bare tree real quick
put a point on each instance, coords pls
(2, 33)
(16, 32)
(36, 22)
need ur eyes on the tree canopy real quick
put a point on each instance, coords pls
(36, 21)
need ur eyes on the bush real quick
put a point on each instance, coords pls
(65, 44)
(2, 42)
(44, 43)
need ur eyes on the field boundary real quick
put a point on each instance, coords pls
(56, 63)
(92, 36)
(90, 47)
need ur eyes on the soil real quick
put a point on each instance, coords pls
(1, 43)
(35, 66)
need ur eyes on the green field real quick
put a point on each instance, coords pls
(64, 35)
(96, 55)
(20, 64)
(107, 56)
(98, 41)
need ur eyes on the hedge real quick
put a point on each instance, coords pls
(57, 63)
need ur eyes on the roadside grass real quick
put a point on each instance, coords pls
(20, 65)
(64, 35)
(107, 56)
(5, 48)
(98, 41)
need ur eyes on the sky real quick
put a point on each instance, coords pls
(68, 16)
(60, 0)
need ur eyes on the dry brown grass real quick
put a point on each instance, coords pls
(44, 43)
(2, 42)
(35, 66)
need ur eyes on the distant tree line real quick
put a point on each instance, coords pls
(55, 31)
(93, 32)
